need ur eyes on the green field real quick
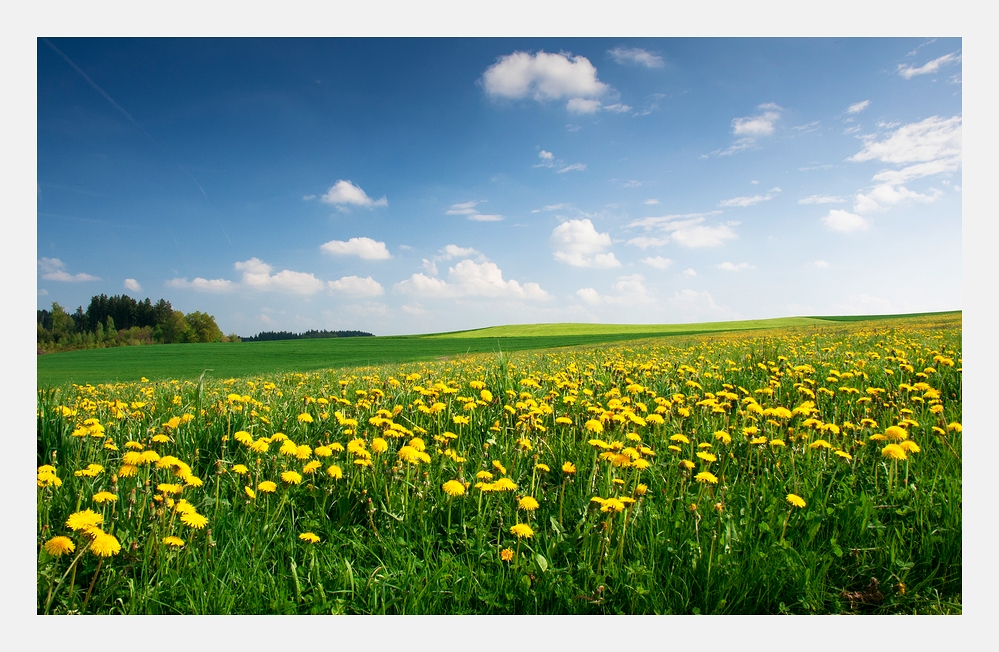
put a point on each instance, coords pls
(184, 361)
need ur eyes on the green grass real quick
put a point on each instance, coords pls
(185, 361)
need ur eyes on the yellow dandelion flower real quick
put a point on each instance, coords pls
(184, 507)
(528, 503)
(612, 505)
(59, 546)
(844, 455)
(250, 493)
(894, 452)
(334, 471)
(104, 544)
(104, 497)
(84, 519)
(311, 467)
(896, 433)
(504, 484)
(379, 445)
(128, 471)
(260, 446)
(686, 464)
(362, 461)
(309, 537)
(267, 486)
(506, 554)
(148, 457)
(641, 489)
(707, 457)
(705, 476)
(568, 467)
(193, 519)
(954, 426)
(679, 438)
(291, 477)
(173, 542)
(594, 426)
(289, 448)
(168, 488)
(303, 452)
(542, 467)
(796, 500)
(305, 417)
(910, 446)
(160, 439)
(453, 488)
(240, 469)
(522, 530)
(279, 436)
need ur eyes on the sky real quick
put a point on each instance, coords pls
(417, 185)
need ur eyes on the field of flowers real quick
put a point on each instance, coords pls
(802, 470)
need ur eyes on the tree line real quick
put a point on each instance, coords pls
(267, 336)
(123, 321)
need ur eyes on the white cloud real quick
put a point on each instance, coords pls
(743, 202)
(570, 168)
(651, 202)
(548, 160)
(628, 291)
(344, 192)
(357, 286)
(928, 147)
(365, 248)
(844, 222)
(757, 125)
(658, 262)
(543, 77)
(257, 276)
(552, 207)
(454, 251)
(54, 269)
(468, 208)
(732, 267)
(689, 272)
(132, 285)
(637, 56)
(42, 292)
(822, 199)
(577, 243)
(908, 72)
(415, 309)
(885, 195)
(703, 236)
(471, 279)
(644, 242)
(821, 264)
(582, 106)
(216, 286)
(430, 266)
(858, 107)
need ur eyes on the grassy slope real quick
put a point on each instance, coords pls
(182, 361)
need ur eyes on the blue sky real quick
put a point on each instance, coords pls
(419, 185)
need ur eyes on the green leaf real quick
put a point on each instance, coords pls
(542, 562)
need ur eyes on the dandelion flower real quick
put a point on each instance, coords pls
(499, 467)
(85, 519)
(522, 530)
(505, 484)
(707, 457)
(528, 503)
(194, 519)
(506, 554)
(104, 497)
(594, 426)
(641, 489)
(105, 545)
(894, 452)
(128, 471)
(334, 471)
(612, 505)
(896, 433)
(484, 475)
(311, 467)
(291, 477)
(796, 500)
(379, 445)
(568, 467)
(173, 542)
(453, 488)
(240, 469)
(59, 546)
(844, 455)
(250, 493)
(309, 537)
(910, 446)
(705, 476)
(686, 464)
(305, 417)
(267, 486)
(542, 467)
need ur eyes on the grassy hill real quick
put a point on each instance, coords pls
(181, 361)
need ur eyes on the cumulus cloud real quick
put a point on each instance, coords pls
(636, 56)
(651, 202)
(844, 222)
(628, 291)
(749, 129)
(454, 251)
(908, 72)
(344, 192)
(132, 285)
(822, 199)
(468, 209)
(471, 279)
(54, 269)
(256, 276)
(821, 264)
(689, 272)
(430, 266)
(357, 286)
(365, 248)
(743, 202)
(577, 243)
(885, 195)
(858, 107)
(732, 267)
(543, 77)
(688, 229)
(583, 106)
(658, 262)
(416, 309)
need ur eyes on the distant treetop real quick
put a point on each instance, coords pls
(310, 334)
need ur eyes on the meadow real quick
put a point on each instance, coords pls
(813, 468)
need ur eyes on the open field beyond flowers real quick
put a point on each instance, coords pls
(806, 470)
